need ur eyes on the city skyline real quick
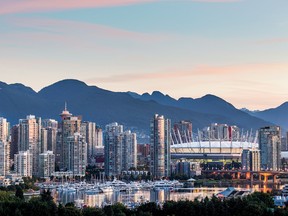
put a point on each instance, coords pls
(229, 48)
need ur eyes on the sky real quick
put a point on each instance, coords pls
(235, 49)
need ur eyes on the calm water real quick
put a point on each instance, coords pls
(140, 196)
(161, 195)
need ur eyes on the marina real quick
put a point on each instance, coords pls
(130, 194)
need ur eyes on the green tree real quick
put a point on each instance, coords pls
(5, 196)
(19, 193)
(92, 212)
(46, 196)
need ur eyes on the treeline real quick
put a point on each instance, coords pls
(258, 204)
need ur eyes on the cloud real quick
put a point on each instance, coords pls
(19, 6)
(256, 86)
(16, 6)
(78, 34)
(273, 41)
(198, 71)
(216, 1)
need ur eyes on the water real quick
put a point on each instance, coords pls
(93, 199)
(160, 195)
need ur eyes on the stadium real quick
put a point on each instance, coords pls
(214, 150)
(217, 142)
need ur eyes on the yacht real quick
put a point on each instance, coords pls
(106, 189)
(163, 184)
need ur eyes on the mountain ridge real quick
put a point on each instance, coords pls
(128, 108)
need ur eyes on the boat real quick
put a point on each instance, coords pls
(285, 190)
(79, 203)
(70, 189)
(280, 201)
(107, 189)
(163, 184)
(116, 183)
(93, 191)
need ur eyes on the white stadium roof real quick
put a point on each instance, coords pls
(217, 144)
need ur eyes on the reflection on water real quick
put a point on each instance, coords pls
(93, 199)
(161, 195)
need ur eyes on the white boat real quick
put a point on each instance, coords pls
(106, 189)
(93, 191)
(163, 184)
(285, 190)
(79, 203)
(70, 189)
(116, 183)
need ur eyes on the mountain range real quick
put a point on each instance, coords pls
(132, 110)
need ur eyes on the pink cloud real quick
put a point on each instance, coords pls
(199, 71)
(15, 6)
(64, 30)
(217, 1)
(273, 41)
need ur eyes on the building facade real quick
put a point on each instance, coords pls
(112, 149)
(49, 135)
(120, 150)
(4, 147)
(46, 164)
(88, 130)
(29, 138)
(14, 141)
(160, 141)
(250, 160)
(185, 168)
(270, 147)
(68, 126)
(23, 163)
(129, 150)
(77, 154)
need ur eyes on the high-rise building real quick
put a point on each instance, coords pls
(4, 129)
(129, 149)
(4, 147)
(49, 135)
(44, 140)
(250, 159)
(51, 139)
(4, 157)
(67, 128)
(77, 154)
(186, 168)
(120, 149)
(88, 130)
(99, 137)
(23, 163)
(220, 132)
(14, 141)
(284, 142)
(143, 154)
(112, 149)
(46, 164)
(182, 132)
(270, 147)
(160, 141)
(49, 123)
(99, 149)
(29, 138)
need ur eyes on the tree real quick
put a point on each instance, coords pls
(19, 193)
(46, 196)
(92, 212)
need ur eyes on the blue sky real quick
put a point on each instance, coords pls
(234, 49)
